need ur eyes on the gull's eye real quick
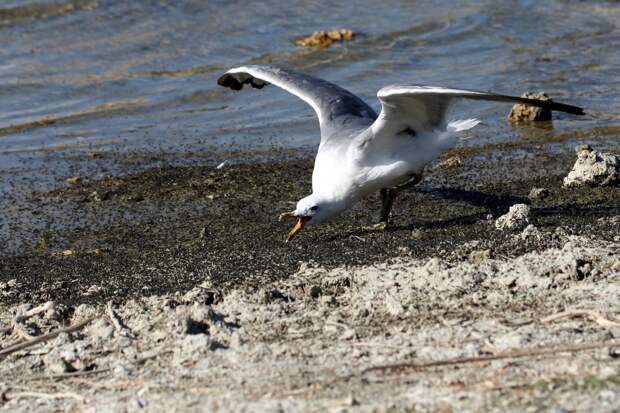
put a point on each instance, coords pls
(314, 208)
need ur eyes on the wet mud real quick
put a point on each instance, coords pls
(168, 229)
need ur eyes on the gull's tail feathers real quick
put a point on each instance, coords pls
(449, 138)
(461, 125)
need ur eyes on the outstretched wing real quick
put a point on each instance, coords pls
(423, 108)
(334, 106)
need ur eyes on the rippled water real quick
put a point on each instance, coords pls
(135, 81)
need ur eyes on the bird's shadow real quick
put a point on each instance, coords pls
(495, 204)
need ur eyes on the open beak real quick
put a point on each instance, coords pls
(301, 221)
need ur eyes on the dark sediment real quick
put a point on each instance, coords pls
(169, 229)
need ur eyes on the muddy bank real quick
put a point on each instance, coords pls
(496, 289)
(169, 229)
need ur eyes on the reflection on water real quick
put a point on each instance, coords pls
(134, 77)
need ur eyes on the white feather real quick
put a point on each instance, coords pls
(463, 124)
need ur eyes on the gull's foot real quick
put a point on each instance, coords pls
(378, 227)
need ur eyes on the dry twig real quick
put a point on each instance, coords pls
(45, 337)
(66, 375)
(16, 322)
(116, 322)
(23, 394)
(515, 353)
(595, 316)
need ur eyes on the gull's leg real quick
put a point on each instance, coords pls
(387, 200)
(388, 195)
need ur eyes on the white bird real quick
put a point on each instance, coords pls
(360, 152)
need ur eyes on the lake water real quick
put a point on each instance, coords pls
(93, 88)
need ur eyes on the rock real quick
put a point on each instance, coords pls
(101, 330)
(97, 197)
(594, 169)
(451, 162)
(6, 287)
(55, 364)
(582, 147)
(538, 193)
(530, 233)
(73, 180)
(315, 291)
(521, 113)
(393, 306)
(480, 255)
(516, 218)
(271, 296)
(93, 289)
(325, 39)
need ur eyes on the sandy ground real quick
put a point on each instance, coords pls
(457, 308)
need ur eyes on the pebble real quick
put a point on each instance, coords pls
(315, 291)
(516, 218)
(538, 193)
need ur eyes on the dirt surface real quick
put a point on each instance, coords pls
(198, 303)
(168, 229)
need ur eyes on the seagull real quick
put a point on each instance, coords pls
(361, 152)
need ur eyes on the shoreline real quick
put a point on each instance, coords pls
(168, 229)
(197, 300)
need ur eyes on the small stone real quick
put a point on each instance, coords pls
(530, 232)
(97, 197)
(325, 39)
(271, 296)
(328, 300)
(394, 306)
(527, 113)
(479, 256)
(57, 365)
(6, 286)
(73, 180)
(538, 193)
(451, 162)
(582, 147)
(594, 169)
(93, 289)
(516, 218)
(315, 291)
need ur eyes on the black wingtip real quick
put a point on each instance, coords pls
(551, 105)
(233, 82)
(573, 110)
(229, 81)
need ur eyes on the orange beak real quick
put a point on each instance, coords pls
(301, 221)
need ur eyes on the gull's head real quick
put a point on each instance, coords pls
(311, 210)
